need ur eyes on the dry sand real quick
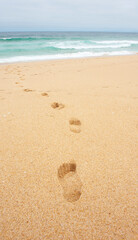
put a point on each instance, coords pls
(68, 149)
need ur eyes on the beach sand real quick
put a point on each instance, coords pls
(68, 149)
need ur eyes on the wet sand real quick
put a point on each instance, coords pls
(68, 149)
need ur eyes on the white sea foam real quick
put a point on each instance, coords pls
(63, 56)
(5, 38)
(83, 46)
(117, 41)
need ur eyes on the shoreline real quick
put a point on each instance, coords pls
(69, 59)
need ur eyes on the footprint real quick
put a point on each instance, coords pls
(57, 105)
(44, 94)
(75, 125)
(70, 181)
(27, 90)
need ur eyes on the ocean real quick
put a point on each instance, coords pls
(35, 46)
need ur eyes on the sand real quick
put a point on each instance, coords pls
(68, 149)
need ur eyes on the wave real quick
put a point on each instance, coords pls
(5, 38)
(117, 41)
(62, 56)
(73, 40)
(64, 46)
(17, 39)
(14, 39)
(60, 48)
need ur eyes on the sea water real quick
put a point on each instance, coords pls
(34, 46)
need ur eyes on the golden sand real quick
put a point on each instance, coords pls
(68, 149)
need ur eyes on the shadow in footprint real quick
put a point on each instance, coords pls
(75, 125)
(57, 105)
(28, 90)
(44, 94)
(70, 181)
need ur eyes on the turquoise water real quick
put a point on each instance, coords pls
(32, 46)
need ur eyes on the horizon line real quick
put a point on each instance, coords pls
(95, 31)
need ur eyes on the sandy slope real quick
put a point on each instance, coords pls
(92, 128)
